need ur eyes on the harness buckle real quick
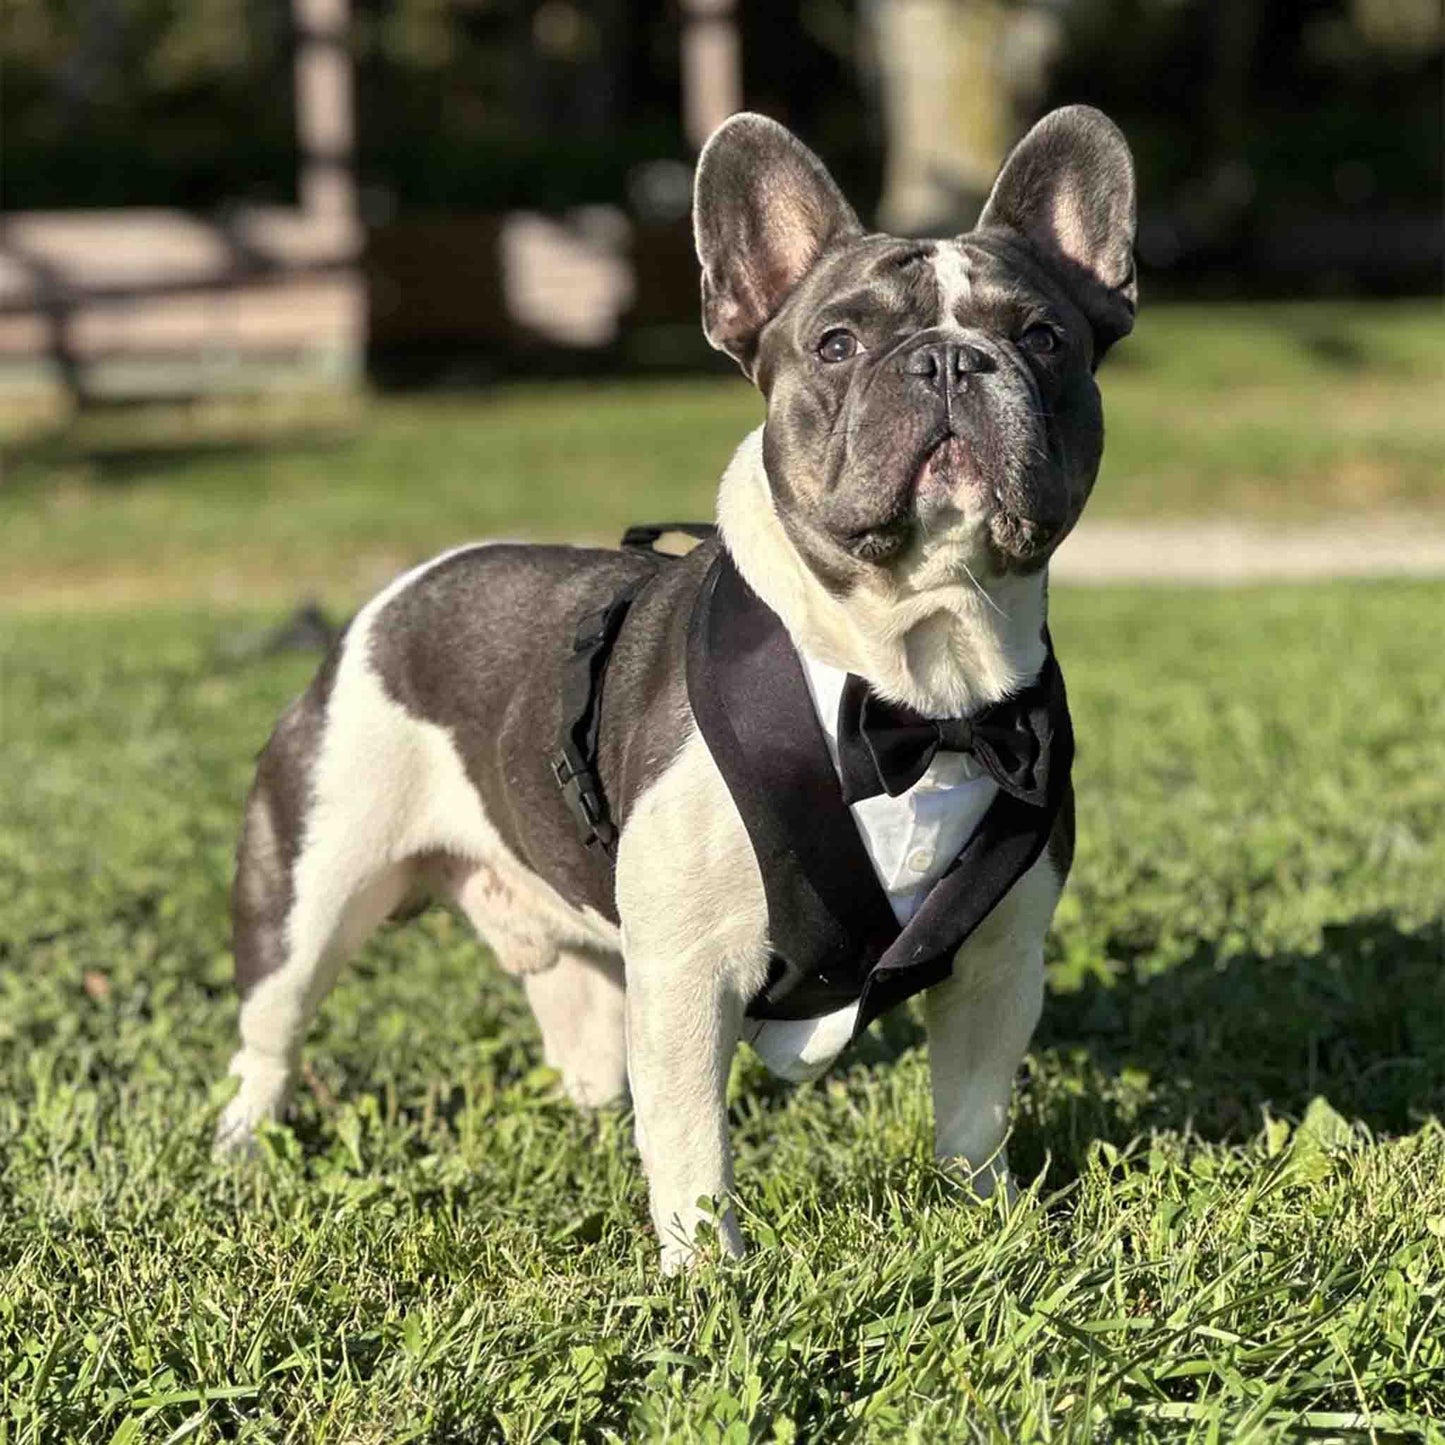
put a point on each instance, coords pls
(582, 796)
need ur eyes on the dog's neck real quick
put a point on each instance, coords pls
(946, 649)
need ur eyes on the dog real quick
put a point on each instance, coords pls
(765, 790)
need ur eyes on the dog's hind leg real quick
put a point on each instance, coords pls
(277, 1012)
(314, 878)
(575, 988)
(581, 1007)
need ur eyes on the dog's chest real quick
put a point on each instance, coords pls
(910, 840)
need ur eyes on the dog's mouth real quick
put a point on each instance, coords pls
(1023, 523)
(946, 467)
(950, 485)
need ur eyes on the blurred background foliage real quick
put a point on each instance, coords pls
(1292, 147)
(145, 102)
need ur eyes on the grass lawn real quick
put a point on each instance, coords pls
(1270, 411)
(1236, 1229)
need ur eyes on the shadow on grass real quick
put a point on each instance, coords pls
(127, 453)
(1334, 347)
(1211, 1044)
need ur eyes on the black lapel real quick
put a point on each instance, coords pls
(829, 918)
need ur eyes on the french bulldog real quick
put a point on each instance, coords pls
(698, 864)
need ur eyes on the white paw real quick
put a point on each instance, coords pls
(262, 1096)
(236, 1133)
(682, 1249)
(595, 1090)
(677, 1258)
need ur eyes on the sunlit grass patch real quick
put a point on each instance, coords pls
(1236, 1225)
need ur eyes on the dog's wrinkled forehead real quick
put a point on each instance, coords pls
(988, 283)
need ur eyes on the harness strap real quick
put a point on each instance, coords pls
(574, 762)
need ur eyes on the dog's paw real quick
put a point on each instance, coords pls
(982, 1183)
(260, 1098)
(678, 1257)
(595, 1089)
(705, 1234)
(996, 1184)
(235, 1137)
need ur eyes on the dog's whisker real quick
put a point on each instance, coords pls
(982, 590)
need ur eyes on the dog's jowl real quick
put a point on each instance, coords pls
(770, 789)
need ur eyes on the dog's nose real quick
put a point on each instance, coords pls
(944, 365)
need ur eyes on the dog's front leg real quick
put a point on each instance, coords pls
(682, 1029)
(979, 1024)
(695, 944)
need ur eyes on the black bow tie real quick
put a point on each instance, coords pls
(886, 747)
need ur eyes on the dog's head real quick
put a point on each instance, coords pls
(931, 404)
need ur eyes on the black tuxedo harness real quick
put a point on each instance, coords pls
(834, 937)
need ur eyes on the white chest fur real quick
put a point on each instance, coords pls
(910, 840)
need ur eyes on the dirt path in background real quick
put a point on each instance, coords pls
(1398, 545)
(1168, 553)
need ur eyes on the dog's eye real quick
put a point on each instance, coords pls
(838, 345)
(1042, 340)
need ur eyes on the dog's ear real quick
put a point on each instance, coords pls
(764, 209)
(1068, 186)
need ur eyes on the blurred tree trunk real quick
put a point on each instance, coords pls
(953, 74)
(711, 66)
(325, 116)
